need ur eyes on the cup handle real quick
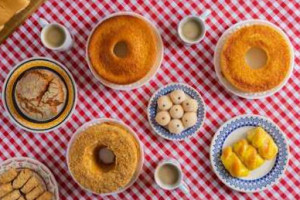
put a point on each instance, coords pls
(205, 14)
(43, 22)
(185, 188)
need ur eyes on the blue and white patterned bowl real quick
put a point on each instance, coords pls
(263, 177)
(152, 110)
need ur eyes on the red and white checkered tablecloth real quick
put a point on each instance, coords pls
(192, 65)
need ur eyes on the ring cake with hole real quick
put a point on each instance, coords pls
(247, 59)
(123, 49)
(105, 157)
(255, 39)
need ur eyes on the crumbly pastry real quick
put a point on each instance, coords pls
(40, 94)
(14, 195)
(189, 119)
(22, 178)
(140, 43)
(8, 176)
(177, 96)
(22, 182)
(5, 189)
(176, 112)
(30, 184)
(190, 105)
(264, 143)
(235, 68)
(163, 118)
(164, 103)
(45, 196)
(233, 164)
(9, 8)
(35, 193)
(248, 154)
(175, 126)
(22, 198)
(84, 162)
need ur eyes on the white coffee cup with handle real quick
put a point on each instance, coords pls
(55, 36)
(192, 28)
(168, 175)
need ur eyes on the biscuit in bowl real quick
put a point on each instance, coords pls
(23, 183)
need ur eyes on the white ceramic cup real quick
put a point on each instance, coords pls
(180, 184)
(201, 20)
(68, 42)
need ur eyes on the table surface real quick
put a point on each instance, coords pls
(192, 65)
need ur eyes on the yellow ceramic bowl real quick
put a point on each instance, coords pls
(11, 106)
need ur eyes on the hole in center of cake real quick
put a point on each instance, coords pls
(256, 57)
(121, 49)
(104, 157)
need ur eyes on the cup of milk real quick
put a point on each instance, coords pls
(168, 175)
(55, 36)
(191, 29)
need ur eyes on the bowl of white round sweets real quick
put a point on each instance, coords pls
(176, 111)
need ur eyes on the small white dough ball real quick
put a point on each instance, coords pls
(177, 96)
(163, 118)
(190, 105)
(164, 103)
(175, 126)
(189, 119)
(176, 112)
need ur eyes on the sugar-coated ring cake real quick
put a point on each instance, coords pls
(137, 44)
(245, 78)
(99, 177)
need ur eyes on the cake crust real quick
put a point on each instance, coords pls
(40, 94)
(101, 178)
(235, 68)
(141, 43)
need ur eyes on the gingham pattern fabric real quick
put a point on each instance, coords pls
(192, 65)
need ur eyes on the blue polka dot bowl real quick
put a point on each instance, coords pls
(261, 178)
(152, 111)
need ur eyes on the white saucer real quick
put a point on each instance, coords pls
(228, 86)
